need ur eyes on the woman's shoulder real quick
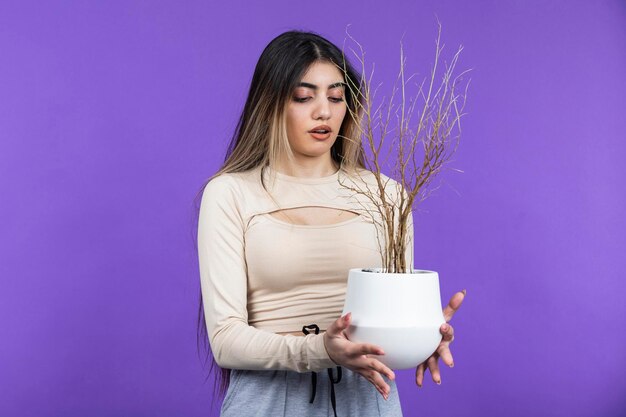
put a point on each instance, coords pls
(232, 181)
(370, 177)
(238, 190)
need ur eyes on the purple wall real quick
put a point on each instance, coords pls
(113, 114)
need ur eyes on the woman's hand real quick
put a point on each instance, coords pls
(354, 355)
(443, 351)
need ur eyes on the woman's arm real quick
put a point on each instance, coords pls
(223, 279)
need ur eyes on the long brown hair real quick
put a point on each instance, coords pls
(260, 137)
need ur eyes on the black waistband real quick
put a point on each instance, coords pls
(333, 381)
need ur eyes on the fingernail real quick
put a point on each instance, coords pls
(439, 382)
(464, 292)
(452, 365)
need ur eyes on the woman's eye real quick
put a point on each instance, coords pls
(303, 99)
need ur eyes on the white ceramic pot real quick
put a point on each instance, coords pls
(401, 313)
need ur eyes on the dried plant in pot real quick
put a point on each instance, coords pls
(396, 306)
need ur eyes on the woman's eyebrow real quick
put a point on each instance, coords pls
(314, 87)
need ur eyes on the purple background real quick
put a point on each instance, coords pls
(113, 114)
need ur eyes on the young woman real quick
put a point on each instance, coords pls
(277, 234)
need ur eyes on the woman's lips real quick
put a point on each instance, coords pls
(321, 127)
(320, 136)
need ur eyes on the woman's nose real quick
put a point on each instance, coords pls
(322, 110)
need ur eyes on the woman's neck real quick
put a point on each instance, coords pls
(308, 169)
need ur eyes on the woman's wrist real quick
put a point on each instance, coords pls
(324, 337)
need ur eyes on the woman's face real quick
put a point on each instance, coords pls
(318, 100)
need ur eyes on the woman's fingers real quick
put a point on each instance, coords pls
(382, 392)
(453, 305)
(337, 326)
(419, 374)
(378, 381)
(374, 371)
(433, 367)
(381, 368)
(447, 333)
(443, 349)
(446, 356)
(354, 357)
(366, 349)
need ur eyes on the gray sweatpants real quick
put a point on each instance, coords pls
(287, 393)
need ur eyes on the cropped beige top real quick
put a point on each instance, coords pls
(261, 275)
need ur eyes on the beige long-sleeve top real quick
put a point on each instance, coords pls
(261, 275)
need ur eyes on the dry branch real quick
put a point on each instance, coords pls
(434, 138)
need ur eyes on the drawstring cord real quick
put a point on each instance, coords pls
(332, 387)
(305, 330)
